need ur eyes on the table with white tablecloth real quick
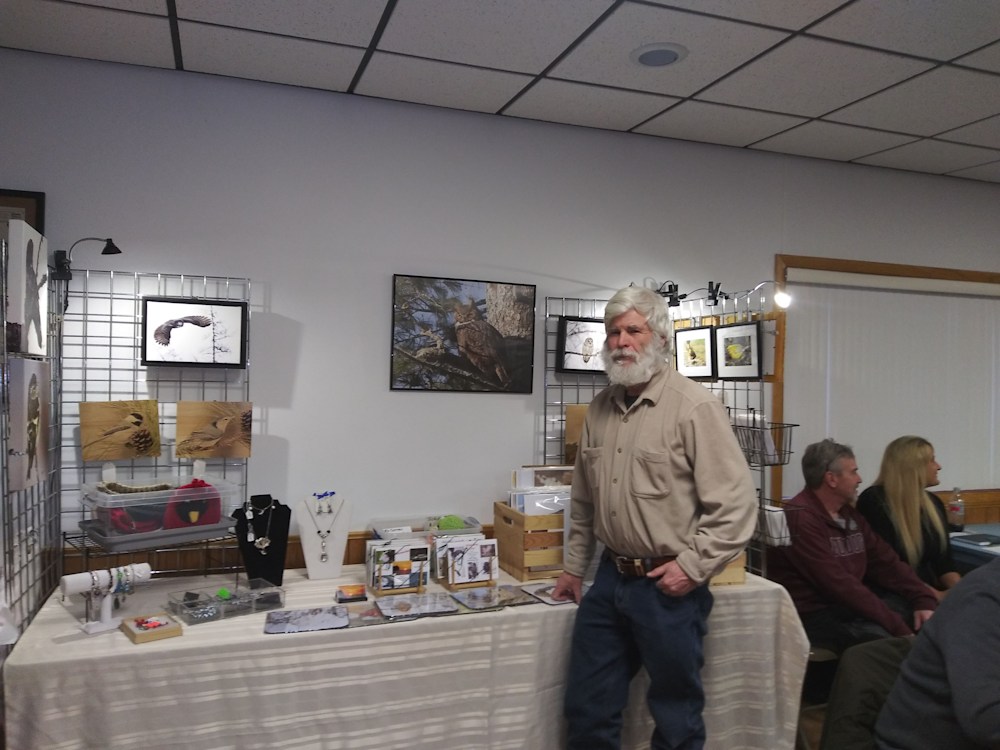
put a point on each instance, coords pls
(484, 680)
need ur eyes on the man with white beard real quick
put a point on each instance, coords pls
(662, 482)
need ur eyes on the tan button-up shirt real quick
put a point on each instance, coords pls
(664, 477)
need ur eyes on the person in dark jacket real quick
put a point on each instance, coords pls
(834, 558)
(946, 693)
(911, 519)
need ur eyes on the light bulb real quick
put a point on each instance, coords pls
(782, 299)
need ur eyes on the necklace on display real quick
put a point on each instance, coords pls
(323, 557)
(260, 542)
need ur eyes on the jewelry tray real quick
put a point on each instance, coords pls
(195, 606)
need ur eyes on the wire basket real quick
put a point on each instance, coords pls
(772, 526)
(768, 445)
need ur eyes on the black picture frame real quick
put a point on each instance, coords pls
(461, 335)
(694, 350)
(194, 332)
(579, 344)
(738, 351)
(32, 203)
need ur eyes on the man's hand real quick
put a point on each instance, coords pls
(921, 616)
(567, 587)
(673, 581)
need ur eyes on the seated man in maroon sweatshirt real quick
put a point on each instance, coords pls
(848, 585)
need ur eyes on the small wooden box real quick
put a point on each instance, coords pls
(138, 630)
(734, 572)
(530, 547)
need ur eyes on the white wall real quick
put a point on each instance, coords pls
(319, 198)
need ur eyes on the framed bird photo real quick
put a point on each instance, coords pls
(461, 335)
(738, 351)
(579, 344)
(194, 332)
(695, 352)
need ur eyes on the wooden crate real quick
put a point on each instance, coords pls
(530, 547)
(734, 572)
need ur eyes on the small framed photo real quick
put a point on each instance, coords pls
(738, 351)
(579, 344)
(194, 332)
(695, 351)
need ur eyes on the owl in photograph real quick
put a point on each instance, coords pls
(162, 333)
(480, 342)
(587, 350)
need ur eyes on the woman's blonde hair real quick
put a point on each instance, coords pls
(903, 476)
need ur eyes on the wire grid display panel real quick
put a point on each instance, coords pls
(101, 355)
(29, 518)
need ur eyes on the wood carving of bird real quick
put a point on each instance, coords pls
(133, 420)
(162, 333)
(206, 438)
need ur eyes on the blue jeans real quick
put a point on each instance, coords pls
(622, 624)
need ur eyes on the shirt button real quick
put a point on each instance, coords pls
(619, 450)
(625, 420)
(614, 481)
(614, 514)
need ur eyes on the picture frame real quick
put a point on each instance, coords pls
(579, 344)
(738, 351)
(694, 350)
(461, 335)
(23, 204)
(194, 332)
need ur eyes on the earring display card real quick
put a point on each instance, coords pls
(153, 627)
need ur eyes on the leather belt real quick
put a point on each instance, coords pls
(636, 567)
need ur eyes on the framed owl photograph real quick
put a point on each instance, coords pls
(194, 332)
(461, 335)
(579, 343)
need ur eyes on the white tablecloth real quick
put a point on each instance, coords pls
(487, 680)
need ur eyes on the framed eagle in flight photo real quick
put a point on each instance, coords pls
(194, 332)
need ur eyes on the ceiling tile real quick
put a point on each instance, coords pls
(931, 156)
(984, 133)
(264, 57)
(714, 47)
(987, 172)
(785, 14)
(342, 21)
(86, 31)
(517, 35)
(987, 58)
(591, 106)
(939, 30)
(408, 79)
(717, 123)
(811, 77)
(939, 100)
(826, 140)
(156, 7)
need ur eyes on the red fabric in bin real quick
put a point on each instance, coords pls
(204, 509)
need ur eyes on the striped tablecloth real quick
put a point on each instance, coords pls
(487, 680)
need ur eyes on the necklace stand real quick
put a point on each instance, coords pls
(323, 529)
(268, 520)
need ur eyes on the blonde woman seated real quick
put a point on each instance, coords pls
(912, 520)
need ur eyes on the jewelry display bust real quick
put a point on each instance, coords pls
(324, 522)
(262, 525)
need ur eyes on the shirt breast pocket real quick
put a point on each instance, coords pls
(651, 474)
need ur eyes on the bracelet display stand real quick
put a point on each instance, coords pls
(101, 588)
(324, 524)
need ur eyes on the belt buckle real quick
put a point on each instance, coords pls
(630, 566)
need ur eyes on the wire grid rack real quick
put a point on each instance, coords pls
(100, 340)
(769, 444)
